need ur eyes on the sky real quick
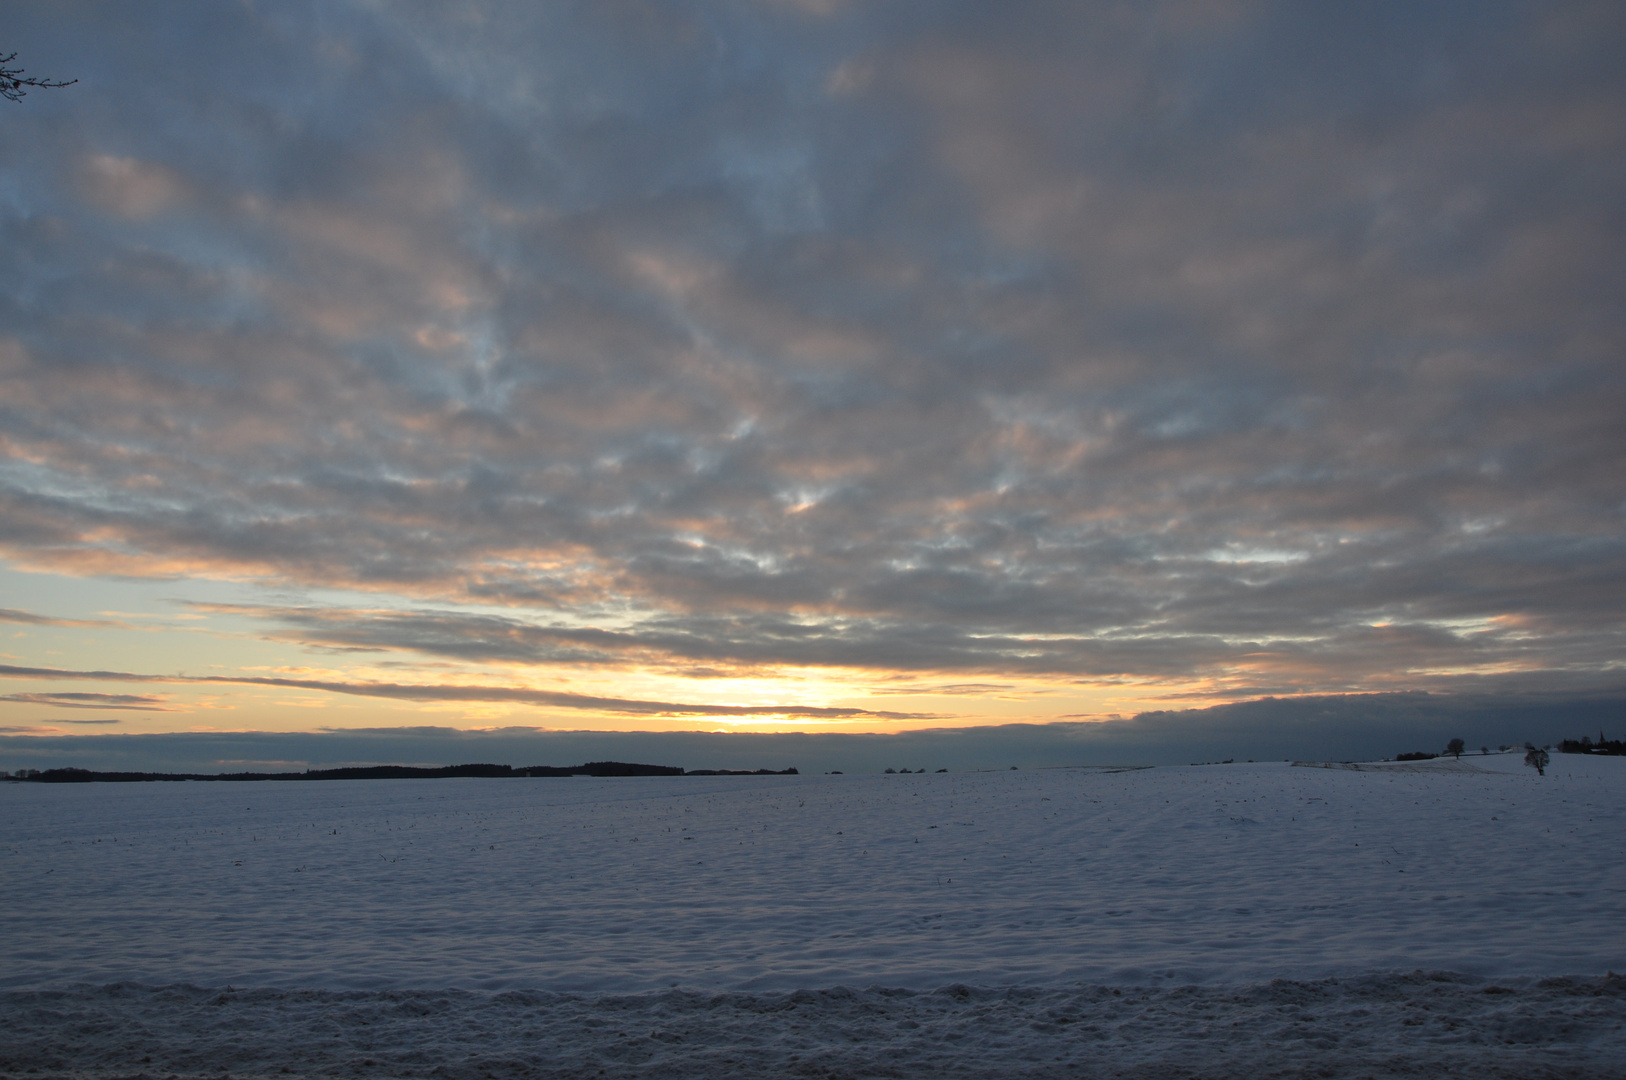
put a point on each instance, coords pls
(818, 366)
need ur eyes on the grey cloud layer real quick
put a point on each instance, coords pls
(1246, 342)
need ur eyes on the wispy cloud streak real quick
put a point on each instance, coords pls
(29, 618)
(80, 700)
(443, 692)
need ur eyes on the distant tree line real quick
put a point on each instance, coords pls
(1585, 745)
(1455, 748)
(392, 772)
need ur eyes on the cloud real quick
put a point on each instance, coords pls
(51, 729)
(1227, 347)
(1265, 661)
(29, 618)
(440, 692)
(81, 700)
(130, 188)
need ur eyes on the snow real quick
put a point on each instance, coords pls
(964, 924)
(1402, 1025)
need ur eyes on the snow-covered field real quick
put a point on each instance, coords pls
(1216, 921)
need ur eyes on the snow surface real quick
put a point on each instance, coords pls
(960, 924)
(1420, 1025)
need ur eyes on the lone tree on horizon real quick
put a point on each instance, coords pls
(13, 81)
(1455, 748)
(1537, 757)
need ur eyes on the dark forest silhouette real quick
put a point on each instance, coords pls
(1585, 745)
(396, 772)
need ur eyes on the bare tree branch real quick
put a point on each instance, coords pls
(13, 81)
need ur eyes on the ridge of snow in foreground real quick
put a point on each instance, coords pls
(1235, 920)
